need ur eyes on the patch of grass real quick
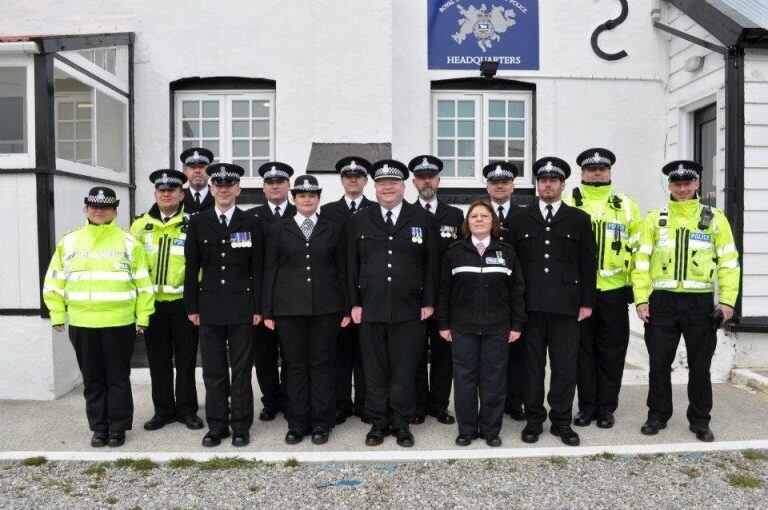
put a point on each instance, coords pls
(558, 461)
(255, 488)
(34, 461)
(291, 463)
(221, 463)
(607, 456)
(632, 473)
(490, 465)
(743, 481)
(123, 463)
(451, 462)
(137, 507)
(151, 485)
(181, 463)
(691, 473)
(645, 457)
(111, 500)
(96, 470)
(143, 465)
(755, 454)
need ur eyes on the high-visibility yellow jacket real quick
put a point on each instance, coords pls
(616, 223)
(681, 251)
(98, 276)
(164, 244)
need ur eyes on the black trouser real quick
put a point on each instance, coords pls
(672, 314)
(558, 334)
(349, 363)
(104, 358)
(223, 347)
(479, 363)
(434, 398)
(266, 359)
(309, 346)
(172, 338)
(517, 375)
(603, 342)
(391, 353)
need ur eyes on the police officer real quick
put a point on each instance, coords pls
(349, 362)
(685, 248)
(604, 336)
(98, 279)
(433, 392)
(305, 301)
(266, 348)
(197, 197)
(392, 278)
(556, 248)
(222, 289)
(170, 336)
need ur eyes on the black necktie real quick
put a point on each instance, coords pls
(428, 206)
(548, 217)
(277, 211)
(197, 197)
(223, 219)
(352, 206)
(501, 213)
(165, 220)
(390, 223)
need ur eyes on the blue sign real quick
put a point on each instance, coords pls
(464, 33)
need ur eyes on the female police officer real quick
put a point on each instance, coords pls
(304, 297)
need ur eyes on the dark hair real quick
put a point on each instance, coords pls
(495, 224)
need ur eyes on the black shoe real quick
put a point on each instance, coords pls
(320, 435)
(566, 434)
(516, 413)
(404, 438)
(418, 419)
(583, 419)
(376, 436)
(605, 420)
(444, 417)
(192, 422)
(214, 437)
(652, 427)
(241, 439)
(157, 422)
(531, 433)
(268, 414)
(341, 417)
(493, 441)
(462, 440)
(365, 419)
(116, 438)
(703, 433)
(99, 439)
(294, 436)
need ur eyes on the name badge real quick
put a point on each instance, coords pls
(699, 236)
(178, 242)
(616, 226)
(240, 239)
(416, 235)
(498, 259)
(448, 232)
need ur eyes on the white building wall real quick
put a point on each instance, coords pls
(19, 282)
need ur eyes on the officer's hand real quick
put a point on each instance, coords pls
(141, 329)
(727, 312)
(357, 314)
(269, 324)
(345, 321)
(59, 327)
(584, 313)
(513, 336)
(644, 312)
(194, 318)
(446, 334)
(256, 319)
(426, 312)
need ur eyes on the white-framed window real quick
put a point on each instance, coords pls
(17, 108)
(238, 126)
(471, 128)
(74, 127)
(105, 58)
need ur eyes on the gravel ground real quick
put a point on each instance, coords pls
(716, 480)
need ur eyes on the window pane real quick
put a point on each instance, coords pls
(261, 148)
(496, 109)
(445, 128)
(66, 150)
(188, 144)
(240, 149)
(210, 129)
(449, 168)
(261, 109)
(445, 148)
(240, 109)
(260, 128)
(83, 130)
(66, 111)
(83, 151)
(111, 133)
(466, 147)
(496, 149)
(257, 163)
(211, 109)
(466, 109)
(496, 129)
(66, 131)
(240, 128)
(245, 163)
(516, 148)
(466, 168)
(190, 109)
(516, 129)
(212, 146)
(190, 129)
(13, 124)
(84, 110)
(516, 110)
(467, 128)
(446, 109)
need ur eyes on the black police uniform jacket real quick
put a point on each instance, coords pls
(505, 225)
(481, 295)
(191, 207)
(339, 212)
(305, 277)
(393, 275)
(231, 260)
(267, 214)
(558, 259)
(449, 222)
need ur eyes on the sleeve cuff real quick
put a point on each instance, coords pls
(516, 326)
(58, 318)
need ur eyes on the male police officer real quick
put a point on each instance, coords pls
(500, 183)
(266, 347)
(225, 245)
(170, 336)
(433, 398)
(197, 196)
(685, 248)
(354, 176)
(392, 278)
(557, 253)
(616, 222)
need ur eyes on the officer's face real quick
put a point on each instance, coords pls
(500, 190)
(225, 194)
(169, 199)
(480, 222)
(276, 190)
(683, 190)
(550, 188)
(389, 192)
(354, 184)
(100, 215)
(426, 185)
(196, 176)
(306, 203)
(597, 174)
